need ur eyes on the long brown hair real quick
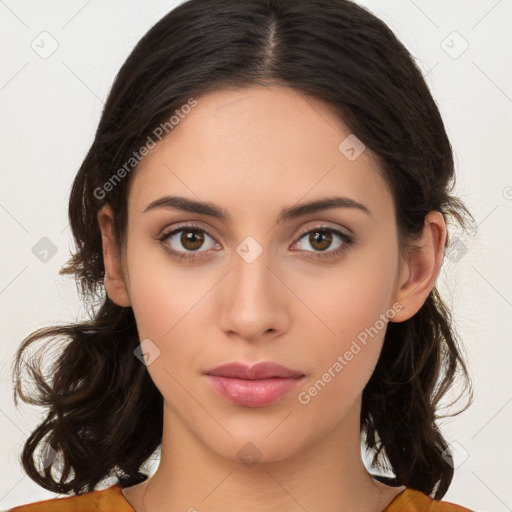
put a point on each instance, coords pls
(104, 414)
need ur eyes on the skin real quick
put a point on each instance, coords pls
(253, 152)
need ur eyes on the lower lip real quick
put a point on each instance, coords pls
(253, 393)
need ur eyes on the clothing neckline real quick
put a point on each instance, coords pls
(399, 499)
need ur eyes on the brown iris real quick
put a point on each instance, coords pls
(192, 239)
(324, 238)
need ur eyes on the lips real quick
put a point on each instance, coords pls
(257, 371)
(253, 386)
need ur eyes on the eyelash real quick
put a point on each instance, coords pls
(347, 240)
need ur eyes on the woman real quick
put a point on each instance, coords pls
(265, 205)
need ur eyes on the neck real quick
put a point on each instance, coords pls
(327, 475)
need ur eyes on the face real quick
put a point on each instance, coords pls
(309, 289)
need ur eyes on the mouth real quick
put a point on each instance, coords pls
(253, 386)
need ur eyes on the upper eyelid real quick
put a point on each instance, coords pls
(323, 225)
(176, 229)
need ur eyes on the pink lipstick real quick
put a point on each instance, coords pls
(253, 386)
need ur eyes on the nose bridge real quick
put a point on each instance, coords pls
(252, 280)
(253, 303)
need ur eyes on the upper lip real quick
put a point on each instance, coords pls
(264, 370)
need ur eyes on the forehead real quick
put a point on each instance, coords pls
(258, 147)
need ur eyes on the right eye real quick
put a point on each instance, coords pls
(185, 241)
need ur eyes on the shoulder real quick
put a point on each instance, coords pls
(107, 500)
(411, 500)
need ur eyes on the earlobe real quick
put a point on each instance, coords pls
(115, 283)
(422, 268)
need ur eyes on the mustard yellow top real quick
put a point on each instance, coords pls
(112, 500)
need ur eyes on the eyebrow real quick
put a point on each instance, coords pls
(292, 212)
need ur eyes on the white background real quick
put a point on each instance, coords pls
(49, 110)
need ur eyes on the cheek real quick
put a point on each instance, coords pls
(343, 362)
(167, 309)
(171, 308)
(352, 309)
(163, 297)
(351, 297)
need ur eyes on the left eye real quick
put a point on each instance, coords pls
(321, 239)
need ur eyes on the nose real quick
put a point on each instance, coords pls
(254, 300)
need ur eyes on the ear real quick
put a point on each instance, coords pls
(115, 284)
(418, 275)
